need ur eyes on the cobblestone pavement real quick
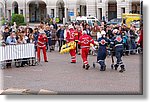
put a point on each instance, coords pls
(59, 76)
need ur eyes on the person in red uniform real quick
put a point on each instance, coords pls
(78, 34)
(140, 41)
(69, 38)
(41, 44)
(85, 41)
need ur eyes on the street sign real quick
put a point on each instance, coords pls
(71, 13)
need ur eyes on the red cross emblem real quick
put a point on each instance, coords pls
(118, 38)
(86, 41)
(103, 42)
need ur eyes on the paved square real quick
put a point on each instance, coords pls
(62, 77)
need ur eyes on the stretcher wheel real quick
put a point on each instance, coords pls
(93, 64)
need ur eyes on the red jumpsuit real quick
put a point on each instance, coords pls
(78, 34)
(85, 41)
(41, 45)
(69, 38)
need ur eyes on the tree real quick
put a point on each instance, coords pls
(18, 18)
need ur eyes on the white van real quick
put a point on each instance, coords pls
(88, 19)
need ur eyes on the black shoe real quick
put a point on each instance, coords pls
(101, 69)
(87, 66)
(104, 68)
(116, 66)
(22, 66)
(17, 66)
(112, 66)
(46, 61)
(122, 70)
(83, 66)
(72, 62)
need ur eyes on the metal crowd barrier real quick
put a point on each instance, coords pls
(17, 52)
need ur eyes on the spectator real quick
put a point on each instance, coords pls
(95, 30)
(125, 43)
(21, 40)
(132, 39)
(35, 35)
(32, 41)
(140, 41)
(60, 36)
(6, 33)
(2, 42)
(55, 25)
(49, 36)
(54, 37)
(87, 29)
(11, 40)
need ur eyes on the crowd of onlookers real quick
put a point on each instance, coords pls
(56, 34)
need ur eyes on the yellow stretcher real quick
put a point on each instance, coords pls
(67, 47)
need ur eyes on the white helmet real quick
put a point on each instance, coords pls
(84, 32)
(115, 31)
(103, 32)
(51, 26)
(41, 31)
(70, 26)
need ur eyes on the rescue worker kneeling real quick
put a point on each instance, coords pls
(84, 42)
(102, 51)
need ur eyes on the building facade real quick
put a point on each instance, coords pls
(39, 10)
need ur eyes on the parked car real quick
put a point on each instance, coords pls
(115, 21)
(88, 19)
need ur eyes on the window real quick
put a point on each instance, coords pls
(99, 1)
(21, 12)
(123, 10)
(52, 13)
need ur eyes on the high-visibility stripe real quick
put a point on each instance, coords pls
(85, 47)
(41, 46)
(118, 45)
(40, 42)
(100, 61)
(85, 62)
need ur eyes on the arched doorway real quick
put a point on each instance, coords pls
(112, 9)
(37, 11)
(81, 8)
(60, 9)
(15, 7)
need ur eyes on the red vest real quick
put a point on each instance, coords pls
(41, 41)
(85, 41)
(70, 35)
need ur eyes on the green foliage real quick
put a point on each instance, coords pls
(18, 18)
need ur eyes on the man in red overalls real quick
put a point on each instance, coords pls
(85, 41)
(78, 34)
(69, 38)
(42, 39)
